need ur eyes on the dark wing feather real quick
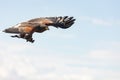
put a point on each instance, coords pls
(62, 22)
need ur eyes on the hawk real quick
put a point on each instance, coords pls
(26, 29)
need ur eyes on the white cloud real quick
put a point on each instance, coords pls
(49, 68)
(3, 72)
(97, 64)
(8, 47)
(101, 54)
(106, 54)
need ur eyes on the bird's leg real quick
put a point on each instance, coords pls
(22, 35)
(17, 36)
(26, 36)
(29, 38)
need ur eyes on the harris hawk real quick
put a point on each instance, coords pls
(26, 29)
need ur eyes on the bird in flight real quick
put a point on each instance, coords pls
(26, 29)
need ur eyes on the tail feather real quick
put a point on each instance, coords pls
(11, 30)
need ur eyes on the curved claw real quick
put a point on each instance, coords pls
(30, 40)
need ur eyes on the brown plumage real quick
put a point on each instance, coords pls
(26, 29)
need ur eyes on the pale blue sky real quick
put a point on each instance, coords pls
(89, 50)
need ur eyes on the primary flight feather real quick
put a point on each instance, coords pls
(26, 29)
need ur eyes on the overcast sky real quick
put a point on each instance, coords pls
(89, 50)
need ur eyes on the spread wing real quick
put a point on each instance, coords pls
(41, 24)
(26, 29)
(62, 22)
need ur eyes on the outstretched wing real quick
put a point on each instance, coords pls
(41, 24)
(26, 29)
(62, 22)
